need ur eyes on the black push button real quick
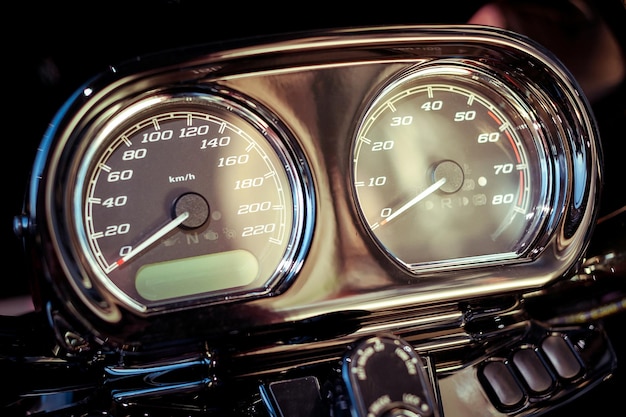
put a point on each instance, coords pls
(298, 397)
(533, 370)
(503, 384)
(562, 357)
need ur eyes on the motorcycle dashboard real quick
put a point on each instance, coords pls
(280, 180)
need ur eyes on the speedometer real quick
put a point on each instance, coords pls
(185, 197)
(449, 168)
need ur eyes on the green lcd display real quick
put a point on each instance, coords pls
(196, 275)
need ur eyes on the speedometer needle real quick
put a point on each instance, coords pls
(428, 191)
(168, 227)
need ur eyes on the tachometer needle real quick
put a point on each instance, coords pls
(428, 191)
(168, 227)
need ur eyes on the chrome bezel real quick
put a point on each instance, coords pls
(100, 293)
(477, 76)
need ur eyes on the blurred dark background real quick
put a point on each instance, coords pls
(51, 48)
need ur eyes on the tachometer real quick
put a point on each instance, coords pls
(188, 196)
(449, 168)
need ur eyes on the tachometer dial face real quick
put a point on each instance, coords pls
(189, 197)
(448, 169)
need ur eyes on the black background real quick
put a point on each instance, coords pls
(50, 49)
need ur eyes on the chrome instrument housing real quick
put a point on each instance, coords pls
(316, 86)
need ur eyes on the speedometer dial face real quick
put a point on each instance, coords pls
(448, 169)
(189, 197)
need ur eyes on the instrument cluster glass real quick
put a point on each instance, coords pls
(449, 168)
(189, 195)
